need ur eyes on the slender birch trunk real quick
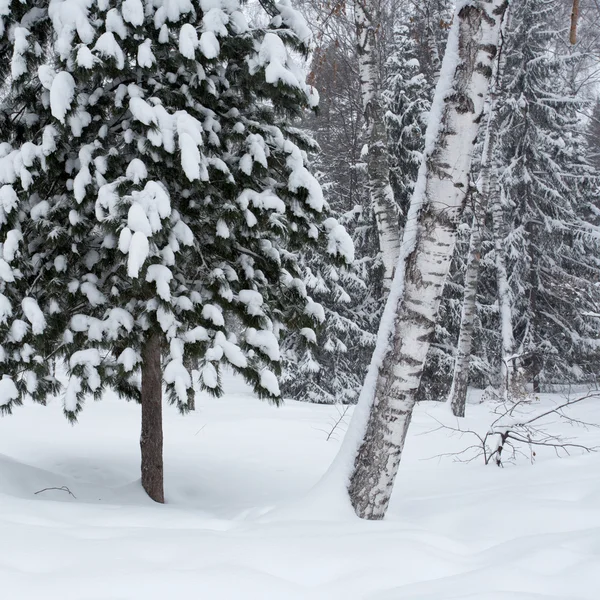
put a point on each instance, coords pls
(502, 283)
(429, 239)
(534, 358)
(457, 397)
(151, 439)
(367, 16)
(434, 55)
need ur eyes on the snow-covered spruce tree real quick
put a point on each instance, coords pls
(385, 408)
(327, 368)
(25, 143)
(333, 369)
(593, 137)
(550, 207)
(181, 198)
(407, 95)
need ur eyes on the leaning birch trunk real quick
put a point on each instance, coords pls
(366, 13)
(411, 311)
(457, 397)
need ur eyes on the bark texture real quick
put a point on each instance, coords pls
(434, 55)
(460, 379)
(574, 19)
(151, 439)
(191, 364)
(487, 179)
(502, 283)
(439, 193)
(367, 14)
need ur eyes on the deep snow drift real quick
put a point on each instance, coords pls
(455, 530)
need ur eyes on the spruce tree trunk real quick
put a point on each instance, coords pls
(151, 439)
(460, 380)
(381, 195)
(190, 365)
(412, 308)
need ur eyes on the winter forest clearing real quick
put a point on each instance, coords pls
(335, 267)
(238, 522)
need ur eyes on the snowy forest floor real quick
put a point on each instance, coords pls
(454, 531)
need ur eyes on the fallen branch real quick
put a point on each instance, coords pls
(341, 417)
(63, 488)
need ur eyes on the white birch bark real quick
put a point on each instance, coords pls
(434, 54)
(366, 16)
(457, 397)
(503, 285)
(429, 239)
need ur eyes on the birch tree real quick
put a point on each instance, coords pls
(457, 397)
(368, 18)
(487, 183)
(388, 396)
(503, 285)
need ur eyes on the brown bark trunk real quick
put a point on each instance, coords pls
(151, 439)
(190, 365)
(574, 19)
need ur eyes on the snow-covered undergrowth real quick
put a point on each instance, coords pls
(455, 530)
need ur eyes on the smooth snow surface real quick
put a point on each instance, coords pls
(237, 524)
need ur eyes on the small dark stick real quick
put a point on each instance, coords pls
(574, 19)
(63, 488)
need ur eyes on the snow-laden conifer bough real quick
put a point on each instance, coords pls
(370, 457)
(163, 198)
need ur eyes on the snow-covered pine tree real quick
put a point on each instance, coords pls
(550, 206)
(329, 368)
(180, 197)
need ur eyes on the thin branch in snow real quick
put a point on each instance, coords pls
(63, 488)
